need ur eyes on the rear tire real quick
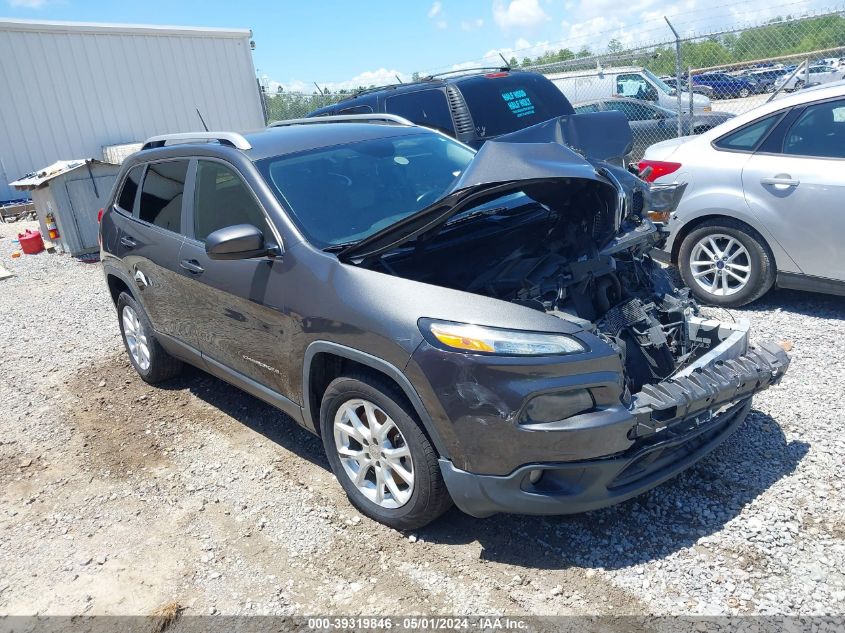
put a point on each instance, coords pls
(380, 454)
(726, 263)
(744, 92)
(147, 356)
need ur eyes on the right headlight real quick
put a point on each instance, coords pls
(487, 340)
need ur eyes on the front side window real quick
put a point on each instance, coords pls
(632, 111)
(126, 199)
(424, 107)
(221, 199)
(632, 85)
(342, 194)
(749, 137)
(161, 194)
(818, 132)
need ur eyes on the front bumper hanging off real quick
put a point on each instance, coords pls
(674, 424)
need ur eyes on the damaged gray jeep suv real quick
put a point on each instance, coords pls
(484, 328)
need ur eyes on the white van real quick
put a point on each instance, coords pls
(638, 83)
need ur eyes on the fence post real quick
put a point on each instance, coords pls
(677, 77)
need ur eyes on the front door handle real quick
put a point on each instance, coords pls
(128, 242)
(192, 266)
(781, 181)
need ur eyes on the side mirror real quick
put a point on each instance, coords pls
(240, 241)
(651, 94)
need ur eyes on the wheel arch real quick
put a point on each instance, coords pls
(324, 361)
(117, 284)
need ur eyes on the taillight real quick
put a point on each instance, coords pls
(100, 215)
(651, 170)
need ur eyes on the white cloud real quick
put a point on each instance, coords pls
(471, 25)
(521, 48)
(435, 9)
(518, 14)
(380, 77)
(441, 24)
(27, 4)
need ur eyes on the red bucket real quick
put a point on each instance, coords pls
(31, 242)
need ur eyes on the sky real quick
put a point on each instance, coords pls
(344, 44)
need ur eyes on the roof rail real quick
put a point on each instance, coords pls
(345, 118)
(232, 139)
(468, 71)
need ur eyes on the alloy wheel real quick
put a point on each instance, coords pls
(136, 340)
(720, 264)
(374, 453)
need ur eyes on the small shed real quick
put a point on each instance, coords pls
(73, 191)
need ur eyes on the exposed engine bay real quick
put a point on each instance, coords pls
(538, 224)
(532, 256)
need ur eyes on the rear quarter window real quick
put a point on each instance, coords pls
(502, 104)
(748, 137)
(428, 108)
(126, 198)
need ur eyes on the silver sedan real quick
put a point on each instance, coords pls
(765, 199)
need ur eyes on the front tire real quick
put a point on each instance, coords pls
(379, 453)
(726, 263)
(149, 359)
(744, 92)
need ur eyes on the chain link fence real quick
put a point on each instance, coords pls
(721, 75)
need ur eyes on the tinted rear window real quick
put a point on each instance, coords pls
(500, 105)
(161, 194)
(424, 107)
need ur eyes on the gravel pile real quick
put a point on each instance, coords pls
(120, 498)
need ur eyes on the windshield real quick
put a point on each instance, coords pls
(657, 81)
(503, 104)
(342, 194)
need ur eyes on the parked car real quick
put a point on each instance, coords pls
(485, 328)
(815, 75)
(672, 82)
(764, 200)
(725, 86)
(633, 81)
(764, 79)
(651, 124)
(472, 105)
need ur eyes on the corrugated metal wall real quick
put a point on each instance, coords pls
(68, 90)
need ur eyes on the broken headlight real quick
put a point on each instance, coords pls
(488, 340)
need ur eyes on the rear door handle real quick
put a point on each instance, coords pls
(783, 180)
(128, 242)
(192, 265)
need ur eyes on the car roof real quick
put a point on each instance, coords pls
(458, 76)
(290, 139)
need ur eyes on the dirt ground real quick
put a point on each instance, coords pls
(118, 498)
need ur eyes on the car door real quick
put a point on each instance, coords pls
(797, 187)
(151, 236)
(235, 315)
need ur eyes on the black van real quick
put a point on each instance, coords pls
(472, 106)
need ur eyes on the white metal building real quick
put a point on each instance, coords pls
(69, 89)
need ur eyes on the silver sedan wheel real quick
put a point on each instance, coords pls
(720, 264)
(374, 453)
(136, 340)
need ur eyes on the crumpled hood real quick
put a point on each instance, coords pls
(534, 159)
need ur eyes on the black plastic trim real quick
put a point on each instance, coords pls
(592, 484)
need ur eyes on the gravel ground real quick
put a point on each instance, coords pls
(119, 498)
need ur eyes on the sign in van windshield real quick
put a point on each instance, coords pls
(519, 103)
